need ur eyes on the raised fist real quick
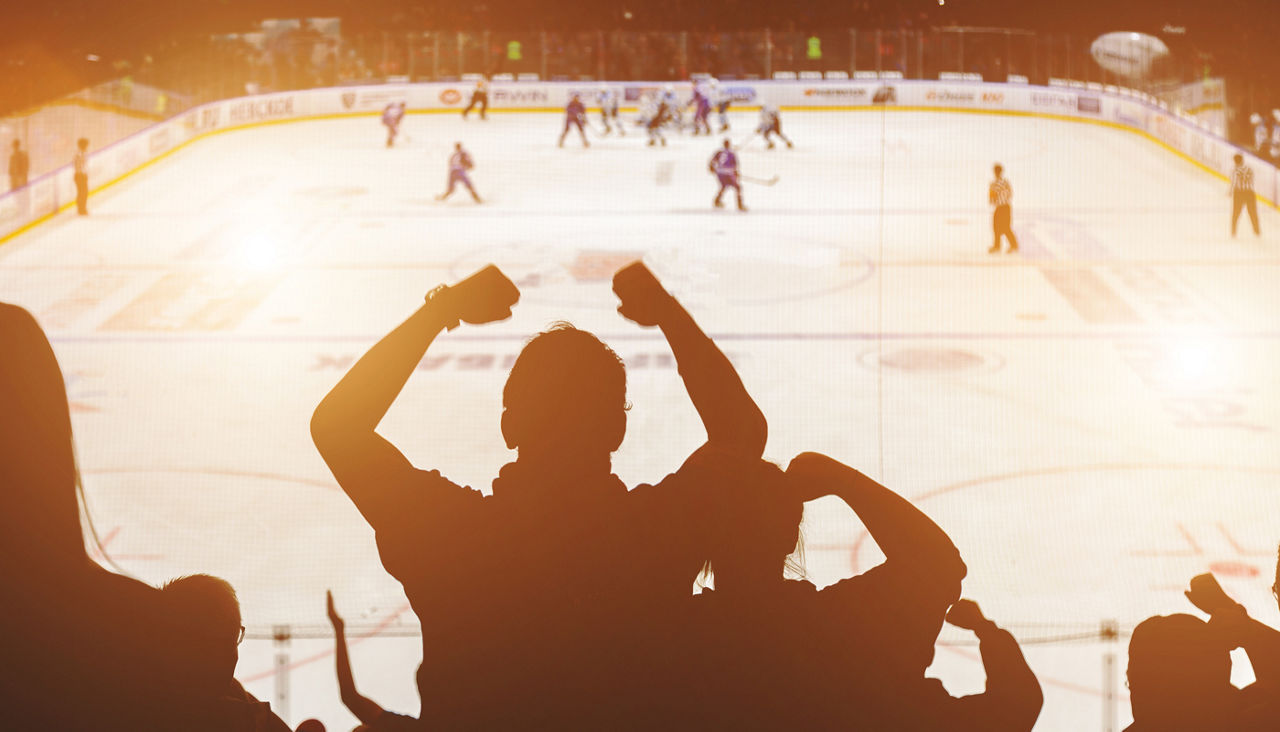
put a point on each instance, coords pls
(1208, 595)
(484, 297)
(644, 300)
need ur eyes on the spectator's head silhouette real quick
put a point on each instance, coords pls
(566, 398)
(1179, 673)
(757, 526)
(207, 611)
(40, 527)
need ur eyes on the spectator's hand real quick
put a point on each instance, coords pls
(1208, 595)
(484, 297)
(644, 300)
(966, 614)
(334, 618)
(811, 475)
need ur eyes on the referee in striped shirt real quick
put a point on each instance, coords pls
(1242, 195)
(1001, 195)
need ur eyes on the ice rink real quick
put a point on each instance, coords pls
(1093, 420)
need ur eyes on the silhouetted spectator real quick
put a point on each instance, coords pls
(19, 166)
(567, 576)
(207, 613)
(874, 633)
(83, 648)
(745, 651)
(1180, 668)
(373, 718)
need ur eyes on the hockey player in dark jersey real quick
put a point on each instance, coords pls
(771, 124)
(391, 117)
(661, 113)
(459, 164)
(725, 165)
(479, 98)
(701, 109)
(575, 114)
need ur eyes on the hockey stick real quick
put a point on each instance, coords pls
(760, 181)
(747, 139)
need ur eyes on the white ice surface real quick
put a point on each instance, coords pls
(1094, 420)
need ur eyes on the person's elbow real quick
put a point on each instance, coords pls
(325, 429)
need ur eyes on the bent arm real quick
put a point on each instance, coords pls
(1262, 643)
(1013, 697)
(343, 426)
(365, 709)
(903, 532)
(731, 417)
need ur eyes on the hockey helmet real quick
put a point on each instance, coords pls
(1255, 118)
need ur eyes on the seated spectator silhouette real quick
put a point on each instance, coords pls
(876, 631)
(560, 586)
(207, 612)
(746, 628)
(872, 636)
(373, 718)
(1180, 667)
(85, 649)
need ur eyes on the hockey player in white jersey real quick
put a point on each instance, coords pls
(720, 100)
(1275, 135)
(1260, 134)
(658, 117)
(771, 124)
(608, 99)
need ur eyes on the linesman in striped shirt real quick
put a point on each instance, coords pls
(81, 163)
(1242, 195)
(1000, 195)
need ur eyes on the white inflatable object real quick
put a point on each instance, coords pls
(1128, 54)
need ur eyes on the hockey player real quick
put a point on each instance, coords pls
(575, 113)
(725, 165)
(1260, 135)
(479, 97)
(771, 124)
(661, 113)
(701, 109)
(608, 99)
(672, 104)
(1275, 136)
(391, 117)
(720, 99)
(459, 164)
